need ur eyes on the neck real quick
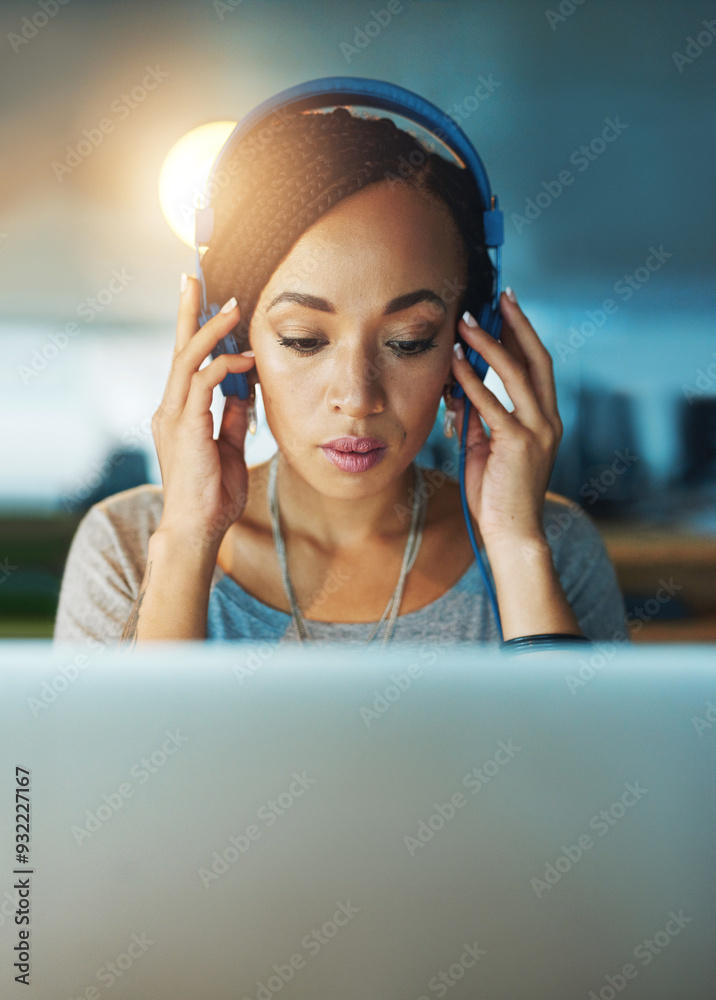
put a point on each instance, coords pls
(336, 524)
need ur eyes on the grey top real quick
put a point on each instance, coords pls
(108, 556)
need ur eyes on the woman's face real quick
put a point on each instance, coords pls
(353, 335)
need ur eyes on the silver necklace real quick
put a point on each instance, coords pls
(411, 551)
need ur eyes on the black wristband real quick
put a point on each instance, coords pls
(544, 641)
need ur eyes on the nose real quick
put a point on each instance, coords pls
(356, 386)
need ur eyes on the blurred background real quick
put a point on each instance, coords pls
(595, 123)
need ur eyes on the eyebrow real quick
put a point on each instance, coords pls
(395, 305)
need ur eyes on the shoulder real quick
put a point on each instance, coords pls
(572, 535)
(117, 530)
(132, 513)
(105, 564)
(585, 570)
(568, 527)
(578, 549)
(567, 523)
(577, 546)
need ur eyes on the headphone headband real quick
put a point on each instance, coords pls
(337, 90)
(341, 90)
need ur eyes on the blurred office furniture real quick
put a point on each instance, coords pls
(662, 541)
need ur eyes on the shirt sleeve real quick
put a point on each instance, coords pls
(99, 584)
(586, 572)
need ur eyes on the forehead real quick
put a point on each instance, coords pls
(384, 237)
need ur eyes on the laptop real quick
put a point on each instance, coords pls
(247, 821)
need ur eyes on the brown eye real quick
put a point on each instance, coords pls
(410, 348)
(300, 345)
(306, 346)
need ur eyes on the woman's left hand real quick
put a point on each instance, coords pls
(507, 471)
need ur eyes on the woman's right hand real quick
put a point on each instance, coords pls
(205, 481)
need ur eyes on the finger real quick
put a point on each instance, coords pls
(187, 361)
(515, 377)
(477, 436)
(537, 358)
(488, 406)
(234, 423)
(511, 343)
(477, 445)
(188, 315)
(204, 381)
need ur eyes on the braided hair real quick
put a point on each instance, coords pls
(282, 183)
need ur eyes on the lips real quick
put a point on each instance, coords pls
(350, 445)
(354, 461)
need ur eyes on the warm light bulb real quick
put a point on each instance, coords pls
(184, 174)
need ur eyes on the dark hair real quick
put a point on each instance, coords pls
(281, 178)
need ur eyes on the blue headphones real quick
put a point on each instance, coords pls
(332, 91)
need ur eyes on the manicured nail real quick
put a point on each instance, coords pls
(183, 282)
(247, 354)
(469, 318)
(457, 348)
(228, 306)
(510, 294)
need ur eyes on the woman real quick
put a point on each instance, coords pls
(354, 277)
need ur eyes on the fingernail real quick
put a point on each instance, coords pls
(247, 354)
(183, 281)
(510, 294)
(457, 348)
(228, 306)
(469, 318)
